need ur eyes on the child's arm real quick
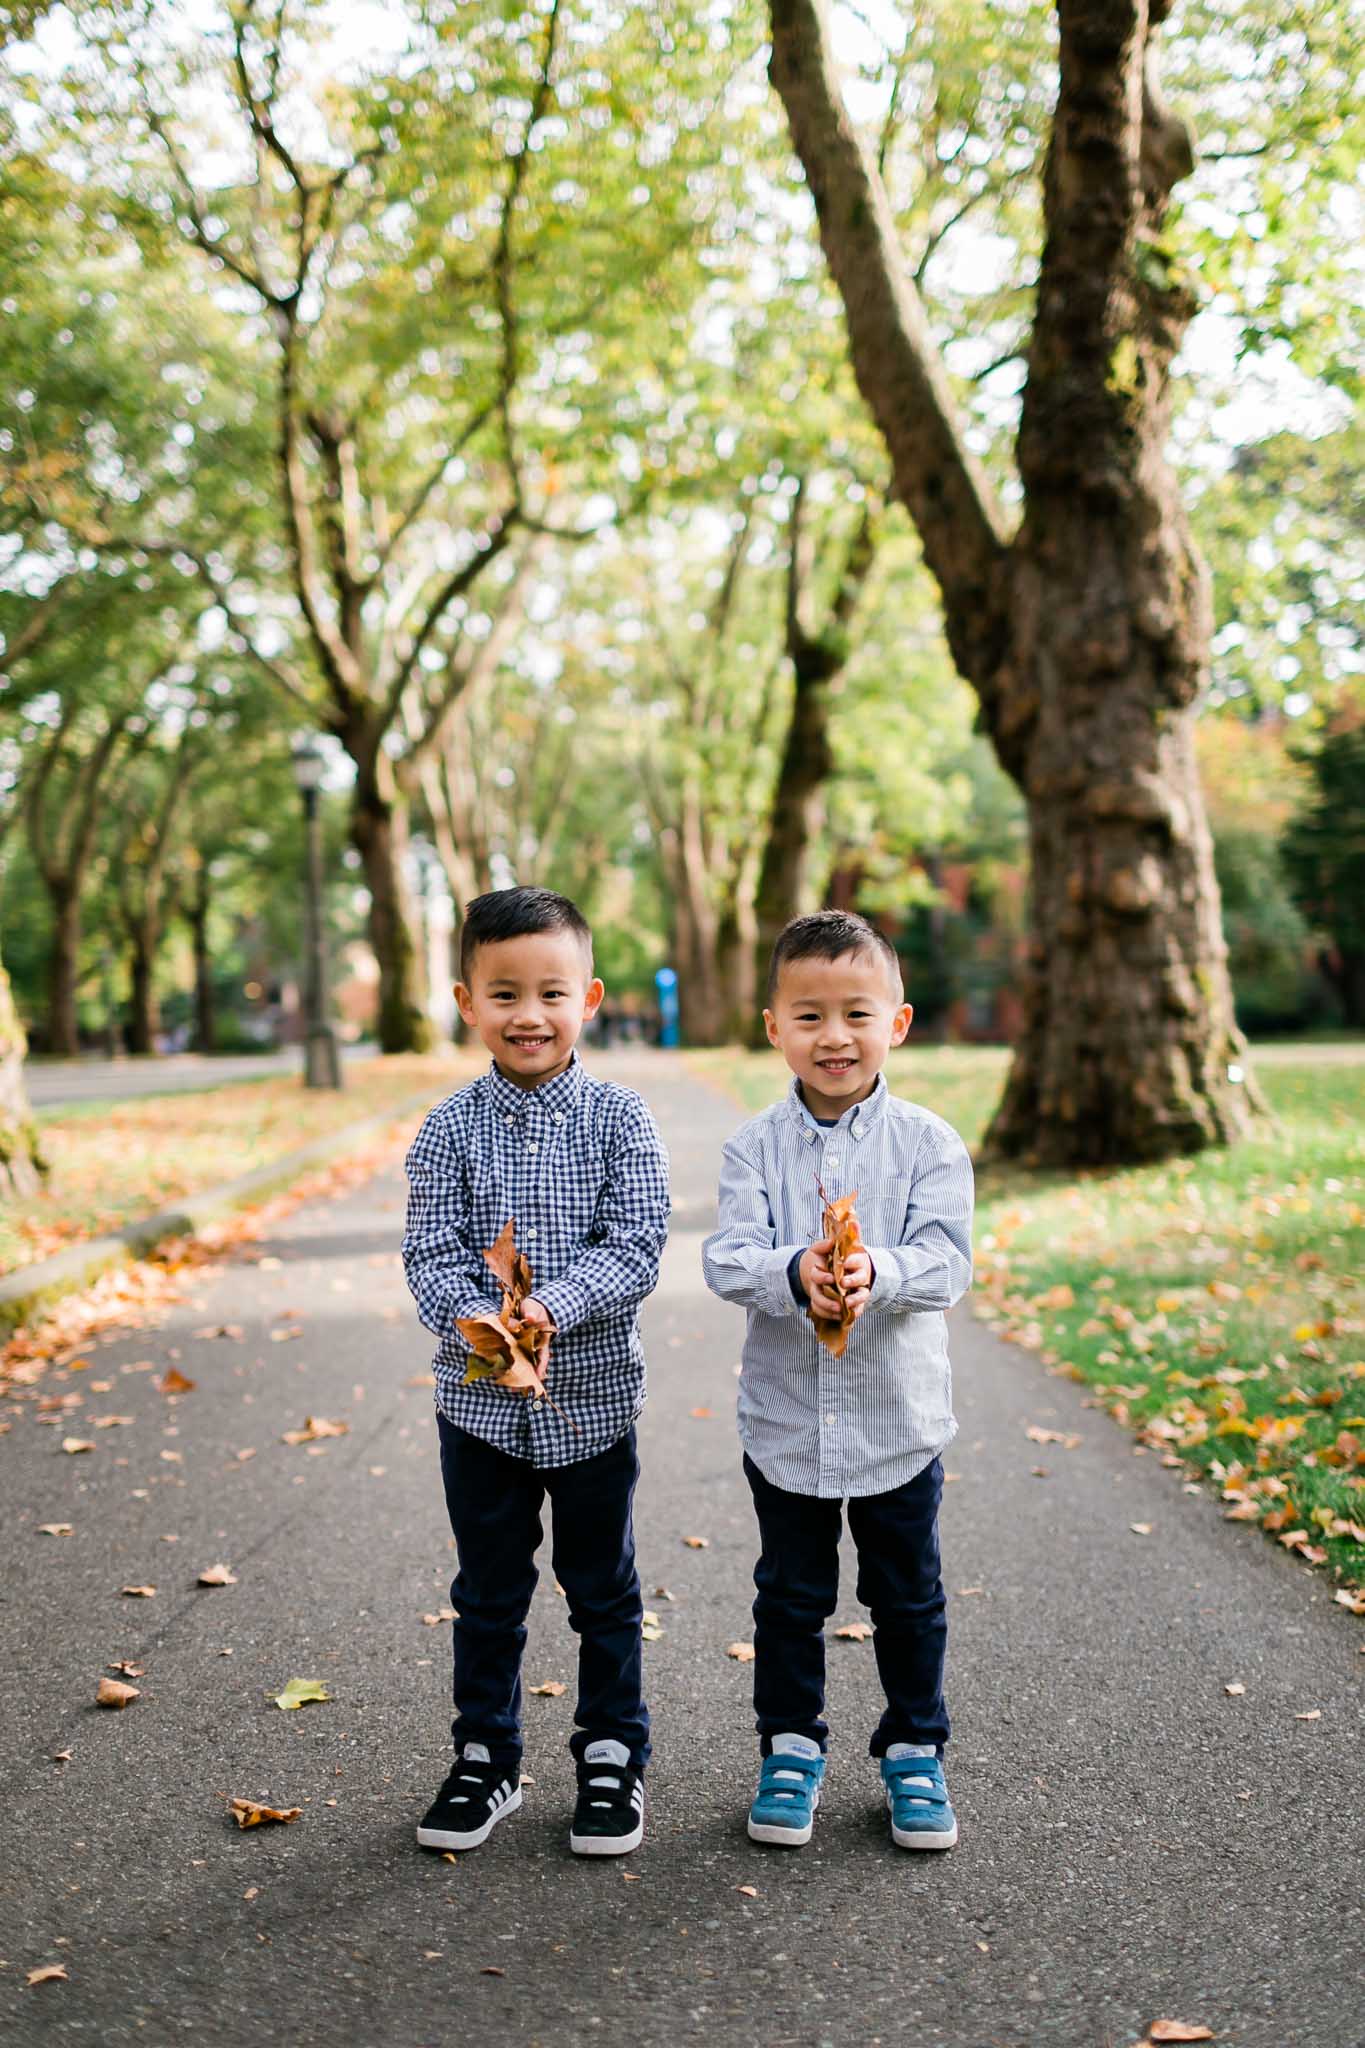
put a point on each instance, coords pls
(932, 1268)
(740, 1260)
(445, 1268)
(622, 1266)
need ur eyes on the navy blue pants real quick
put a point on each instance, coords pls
(495, 1504)
(797, 1576)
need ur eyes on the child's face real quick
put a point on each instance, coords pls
(529, 999)
(834, 1021)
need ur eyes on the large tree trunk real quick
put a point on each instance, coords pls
(144, 1017)
(63, 1034)
(379, 833)
(205, 1020)
(21, 1161)
(1086, 636)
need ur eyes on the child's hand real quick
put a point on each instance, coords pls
(817, 1277)
(858, 1278)
(533, 1311)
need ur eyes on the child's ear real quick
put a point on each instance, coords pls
(770, 1026)
(901, 1023)
(591, 1000)
(464, 1002)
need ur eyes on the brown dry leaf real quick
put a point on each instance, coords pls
(113, 1693)
(1234, 1691)
(697, 1542)
(127, 1669)
(509, 1340)
(139, 1592)
(1179, 2030)
(112, 1421)
(1313, 1714)
(1036, 1434)
(248, 1813)
(49, 1973)
(551, 1690)
(1354, 1603)
(492, 1970)
(853, 1632)
(287, 1334)
(630, 1877)
(441, 1614)
(748, 1891)
(315, 1426)
(173, 1381)
(1141, 1528)
(839, 1220)
(218, 1575)
(54, 1528)
(702, 1414)
(232, 1330)
(743, 1653)
(72, 1444)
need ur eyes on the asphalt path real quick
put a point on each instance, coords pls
(51, 1083)
(1135, 1842)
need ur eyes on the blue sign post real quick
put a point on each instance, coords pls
(666, 982)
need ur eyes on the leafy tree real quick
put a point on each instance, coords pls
(1324, 850)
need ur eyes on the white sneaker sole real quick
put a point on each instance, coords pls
(607, 1845)
(783, 1838)
(444, 1838)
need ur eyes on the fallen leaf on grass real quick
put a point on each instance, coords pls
(299, 1692)
(139, 1592)
(315, 1426)
(551, 1690)
(743, 1653)
(853, 1632)
(173, 1381)
(1178, 2030)
(113, 1693)
(1354, 1603)
(217, 1575)
(697, 1542)
(249, 1813)
(72, 1444)
(54, 1528)
(50, 1973)
(1234, 1692)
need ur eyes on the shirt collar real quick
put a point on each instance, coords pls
(858, 1120)
(552, 1097)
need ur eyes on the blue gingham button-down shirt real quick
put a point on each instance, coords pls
(871, 1420)
(580, 1167)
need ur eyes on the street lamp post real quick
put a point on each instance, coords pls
(321, 1062)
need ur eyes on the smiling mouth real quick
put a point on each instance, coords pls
(835, 1066)
(529, 1044)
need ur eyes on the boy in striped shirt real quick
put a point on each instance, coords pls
(867, 1428)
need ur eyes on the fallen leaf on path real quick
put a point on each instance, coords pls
(630, 1877)
(1141, 1528)
(249, 1813)
(492, 1970)
(173, 1457)
(315, 1426)
(253, 1891)
(702, 1414)
(441, 1614)
(72, 1444)
(113, 1693)
(1036, 1434)
(966, 1592)
(650, 1631)
(748, 1891)
(743, 1653)
(1179, 2030)
(284, 1336)
(54, 1528)
(218, 1575)
(49, 1973)
(299, 1692)
(551, 1690)
(1354, 1603)
(233, 1330)
(126, 1669)
(1313, 1714)
(1234, 1691)
(662, 1593)
(139, 1592)
(112, 1421)
(60, 1756)
(697, 1542)
(173, 1381)
(853, 1632)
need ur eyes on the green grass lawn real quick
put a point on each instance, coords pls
(1214, 1304)
(112, 1162)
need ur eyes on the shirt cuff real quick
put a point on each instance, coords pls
(799, 1294)
(568, 1303)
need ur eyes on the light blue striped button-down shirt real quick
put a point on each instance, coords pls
(871, 1420)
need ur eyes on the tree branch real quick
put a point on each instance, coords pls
(489, 543)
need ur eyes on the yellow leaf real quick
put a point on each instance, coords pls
(299, 1692)
(249, 1813)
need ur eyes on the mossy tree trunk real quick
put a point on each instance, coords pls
(21, 1161)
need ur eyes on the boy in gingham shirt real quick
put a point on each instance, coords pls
(867, 1428)
(578, 1166)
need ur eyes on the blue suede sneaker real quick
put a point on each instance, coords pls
(783, 1811)
(921, 1817)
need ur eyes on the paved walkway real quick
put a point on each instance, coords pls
(1134, 1842)
(50, 1082)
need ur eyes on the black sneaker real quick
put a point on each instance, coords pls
(609, 1819)
(474, 1798)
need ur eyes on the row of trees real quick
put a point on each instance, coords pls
(482, 401)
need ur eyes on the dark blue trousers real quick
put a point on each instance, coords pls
(495, 1504)
(797, 1576)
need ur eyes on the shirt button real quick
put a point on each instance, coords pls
(559, 1116)
(529, 1235)
(508, 1119)
(531, 1145)
(830, 1421)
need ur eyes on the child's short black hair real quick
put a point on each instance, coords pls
(828, 935)
(515, 914)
